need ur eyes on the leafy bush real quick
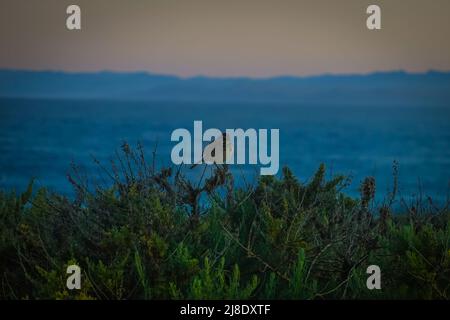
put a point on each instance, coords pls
(154, 234)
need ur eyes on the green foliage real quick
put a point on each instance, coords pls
(213, 283)
(155, 235)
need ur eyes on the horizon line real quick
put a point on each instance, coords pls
(201, 76)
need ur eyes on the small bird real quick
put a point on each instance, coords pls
(218, 151)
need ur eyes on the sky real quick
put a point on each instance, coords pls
(223, 38)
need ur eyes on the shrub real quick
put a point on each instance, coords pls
(154, 234)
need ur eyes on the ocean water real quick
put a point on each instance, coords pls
(40, 138)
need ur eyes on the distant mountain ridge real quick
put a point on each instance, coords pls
(381, 87)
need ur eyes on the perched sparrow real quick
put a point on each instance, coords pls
(218, 151)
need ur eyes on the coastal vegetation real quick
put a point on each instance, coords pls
(153, 233)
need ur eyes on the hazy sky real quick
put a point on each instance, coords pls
(226, 38)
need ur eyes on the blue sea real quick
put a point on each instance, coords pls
(40, 138)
